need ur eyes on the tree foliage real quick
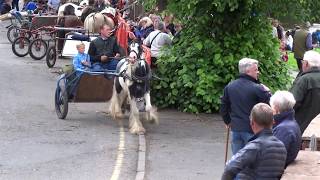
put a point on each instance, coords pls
(216, 35)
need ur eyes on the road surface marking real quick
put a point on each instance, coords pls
(120, 154)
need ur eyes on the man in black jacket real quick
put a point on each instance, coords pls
(306, 90)
(264, 157)
(239, 97)
(103, 49)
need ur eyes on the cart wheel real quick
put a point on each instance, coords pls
(12, 33)
(38, 49)
(20, 46)
(61, 103)
(51, 56)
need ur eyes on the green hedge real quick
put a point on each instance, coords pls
(216, 35)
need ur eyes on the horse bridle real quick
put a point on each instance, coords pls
(135, 53)
(134, 78)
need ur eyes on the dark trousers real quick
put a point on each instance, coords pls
(299, 63)
(153, 62)
(15, 4)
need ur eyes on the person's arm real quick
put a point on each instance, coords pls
(116, 49)
(225, 107)
(77, 62)
(168, 40)
(49, 3)
(147, 41)
(283, 136)
(245, 157)
(298, 90)
(263, 93)
(88, 60)
(93, 53)
(309, 42)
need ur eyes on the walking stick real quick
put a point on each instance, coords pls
(227, 146)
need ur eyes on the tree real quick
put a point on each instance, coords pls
(216, 35)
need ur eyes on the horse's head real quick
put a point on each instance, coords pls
(135, 51)
(140, 76)
(140, 71)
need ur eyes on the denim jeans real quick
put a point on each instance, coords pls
(110, 65)
(239, 140)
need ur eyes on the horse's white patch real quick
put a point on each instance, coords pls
(143, 64)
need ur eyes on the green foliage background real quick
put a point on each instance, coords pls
(216, 35)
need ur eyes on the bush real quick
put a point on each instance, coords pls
(216, 35)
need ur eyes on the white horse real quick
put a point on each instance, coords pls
(94, 21)
(133, 85)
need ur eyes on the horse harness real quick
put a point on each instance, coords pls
(132, 77)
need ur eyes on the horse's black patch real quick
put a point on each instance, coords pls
(138, 90)
(118, 86)
(140, 80)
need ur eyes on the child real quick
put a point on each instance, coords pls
(81, 61)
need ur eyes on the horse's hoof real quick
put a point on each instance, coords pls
(120, 116)
(152, 117)
(139, 130)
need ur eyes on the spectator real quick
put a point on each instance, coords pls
(169, 24)
(316, 37)
(285, 127)
(99, 5)
(15, 4)
(306, 90)
(293, 31)
(156, 40)
(289, 41)
(302, 42)
(53, 5)
(69, 19)
(279, 28)
(147, 27)
(87, 10)
(30, 6)
(264, 156)
(239, 97)
(103, 49)
(5, 6)
(178, 28)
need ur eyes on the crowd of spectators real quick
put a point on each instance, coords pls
(267, 129)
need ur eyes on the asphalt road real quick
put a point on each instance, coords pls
(35, 144)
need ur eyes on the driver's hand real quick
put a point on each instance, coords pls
(104, 58)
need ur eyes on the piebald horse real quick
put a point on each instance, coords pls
(133, 86)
